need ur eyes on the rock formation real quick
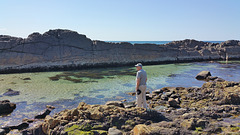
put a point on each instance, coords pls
(6, 107)
(213, 108)
(64, 50)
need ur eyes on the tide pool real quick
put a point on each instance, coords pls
(65, 90)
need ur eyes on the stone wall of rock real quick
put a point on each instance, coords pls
(65, 49)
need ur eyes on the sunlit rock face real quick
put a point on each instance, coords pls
(66, 49)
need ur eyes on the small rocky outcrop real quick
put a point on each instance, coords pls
(203, 75)
(6, 107)
(11, 92)
(26, 122)
(7, 129)
(97, 119)
(213, 108)
(43, 115)
(115, 103)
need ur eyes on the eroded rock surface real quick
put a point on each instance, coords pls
(65, 49)
(213, 108)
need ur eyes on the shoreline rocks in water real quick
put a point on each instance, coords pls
(203, 75)
(26, 122)
(11, 92)
(206, 76)
(61, 49)
(6, 107)
(213, 108)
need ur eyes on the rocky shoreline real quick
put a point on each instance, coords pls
(67, 50)
(213, 108)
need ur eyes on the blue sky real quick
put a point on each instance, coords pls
(129, 20)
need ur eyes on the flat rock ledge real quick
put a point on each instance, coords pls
(213, 108)
(61, 49)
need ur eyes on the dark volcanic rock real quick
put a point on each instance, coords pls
(44, 114)
(6, 107)
(18, 127)
(3, 131)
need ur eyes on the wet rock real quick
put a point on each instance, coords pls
(219, 80)
(28, 120)
(11, 92)
(21, 126)
(173, 102)
(114, 131)
(27, 78)
(6, 107)
(212, 78)
(50, 107)
(203, 75)
(43, 115)
(4, 131)
(149, 96)
(115, 103)
(129, 104)
(158, 91)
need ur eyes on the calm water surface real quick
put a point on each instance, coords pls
(65, 90)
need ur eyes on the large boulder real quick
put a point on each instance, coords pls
(203, 75)
(6, 107)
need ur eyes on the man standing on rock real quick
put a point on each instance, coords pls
(141, 80)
